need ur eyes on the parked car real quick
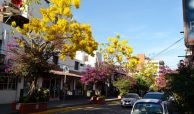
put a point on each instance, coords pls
(149, 106)
(156, 95)
(129, 99)
(166, 99)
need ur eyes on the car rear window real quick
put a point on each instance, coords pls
(151, 108)
(130, 96)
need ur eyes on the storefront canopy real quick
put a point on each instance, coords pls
(63, 73)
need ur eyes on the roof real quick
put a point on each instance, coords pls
(65, 74)
(149, 101)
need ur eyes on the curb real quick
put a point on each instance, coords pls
(55, 110)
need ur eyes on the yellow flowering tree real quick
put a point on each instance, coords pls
(55, 33)
(119, 54)
(57, 27)
(145, 77)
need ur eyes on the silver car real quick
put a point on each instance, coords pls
(149, 106)
(129, 99)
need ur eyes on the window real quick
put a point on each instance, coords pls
(76, 67)
(82, 65)
(143, 107)
(85, 58)
(8, 83)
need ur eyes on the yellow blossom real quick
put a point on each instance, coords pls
(76, 3)
(13, 24)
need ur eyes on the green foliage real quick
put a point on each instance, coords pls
(142, 84)
(145, 77)
(148, 70)
(39, 95)
(123, 84)
(181, 85)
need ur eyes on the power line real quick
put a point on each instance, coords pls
(167, 48)
(178, 46)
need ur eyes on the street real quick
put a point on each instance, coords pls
(103, 109)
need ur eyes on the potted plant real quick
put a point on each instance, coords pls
(97, 99)
(36, 102)
(33, 103)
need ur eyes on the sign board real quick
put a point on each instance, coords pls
(188, 14)
(65, 69)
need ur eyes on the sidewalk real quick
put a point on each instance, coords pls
(68, 102)
(6, 108)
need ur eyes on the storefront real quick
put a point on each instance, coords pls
(66, 85)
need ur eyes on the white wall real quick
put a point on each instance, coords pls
(71, 64)
(92, 60)
(7, 96)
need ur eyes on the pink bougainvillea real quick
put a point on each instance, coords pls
(160, 80)
(96, 74)
(10, 56)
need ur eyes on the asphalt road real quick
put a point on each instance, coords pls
(103, 109)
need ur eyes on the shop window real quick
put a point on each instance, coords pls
(8, 83)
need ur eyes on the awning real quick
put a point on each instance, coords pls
(63, 73)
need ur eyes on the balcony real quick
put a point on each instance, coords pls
(10, 13)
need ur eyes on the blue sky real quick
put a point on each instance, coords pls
(149, 25)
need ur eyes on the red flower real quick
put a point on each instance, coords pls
(17, 3)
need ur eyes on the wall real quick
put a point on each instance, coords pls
(71, 64)
(7, 96)
(92, 60)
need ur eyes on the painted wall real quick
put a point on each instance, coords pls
(71, 64)
(91, 60)
(7, 96)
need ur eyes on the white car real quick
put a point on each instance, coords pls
(149, 106)
(129, 99)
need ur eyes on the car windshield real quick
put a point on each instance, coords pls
(153, 96)
(147, 108)
(130, 96)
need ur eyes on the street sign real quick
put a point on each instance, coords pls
(65, 69)
(188, 13)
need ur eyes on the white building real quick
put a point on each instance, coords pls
(89, 60)
(11, 87)
(159, 64)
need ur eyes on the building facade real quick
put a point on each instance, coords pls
(64, 82)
